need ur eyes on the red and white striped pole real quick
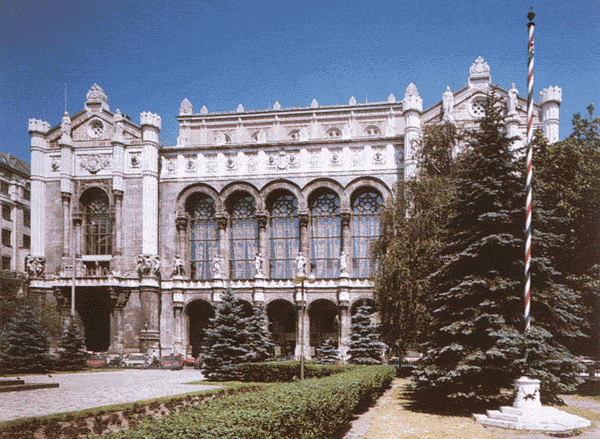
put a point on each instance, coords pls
(531, 26)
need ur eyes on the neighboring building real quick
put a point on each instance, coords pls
(15, 200)
(159, 231)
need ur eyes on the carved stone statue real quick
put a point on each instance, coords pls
(35, 266)
(65, 126)
(259, 265)
(344, 263)
(217, 267)
(148, 265)
(512, 100)
(179, 267)
(301, 262)
(448, 104)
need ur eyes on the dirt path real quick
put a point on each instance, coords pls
(389, 419)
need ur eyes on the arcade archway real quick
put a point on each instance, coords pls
(282, 326)
(199, 313)
(324, 322)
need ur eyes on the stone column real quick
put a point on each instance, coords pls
(181, 224)
(38, 130)
(66, 210)
(412, 106)
(302, 330)
(222, 221)
(178, 317)
(151, 126)
(551, 98)
(118, 248)
(345, 322)
(77, 221)
(304, 235)
(150, 316)
(262, 220)
(346, 232)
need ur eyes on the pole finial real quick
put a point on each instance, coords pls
(531, 14)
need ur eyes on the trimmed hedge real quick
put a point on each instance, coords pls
(311, 409)
(286, 371)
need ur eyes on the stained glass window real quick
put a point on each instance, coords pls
(243, 240)
(284, 236)
(203, 236)
(366, 209)
(326, 233)
(98, 224)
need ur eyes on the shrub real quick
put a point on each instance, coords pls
(286, 371)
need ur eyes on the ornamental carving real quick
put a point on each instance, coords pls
(282, 160)
(148, 265)
(94, 163)
(96, 94)
(135, 160)
(119, 297)
(35, 266)
(55, 164)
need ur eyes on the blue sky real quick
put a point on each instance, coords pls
(149, 56)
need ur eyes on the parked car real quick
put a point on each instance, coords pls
(189, 362)
(135, 360)
(97, 360)
(174, 362)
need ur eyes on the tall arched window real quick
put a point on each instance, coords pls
(98, 223)
(284, 235)
(366, 210)
(203, 235)
(326, 233)
(243, 240)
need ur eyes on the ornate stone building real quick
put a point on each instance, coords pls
(246, 200)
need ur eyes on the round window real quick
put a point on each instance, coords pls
(95, 129)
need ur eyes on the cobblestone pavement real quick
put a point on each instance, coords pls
(78, 391)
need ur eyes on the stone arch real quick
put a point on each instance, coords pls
(94, 191)
(282, 317)
(198, 313)
(360, 301)
(199, 188)
(325, 183)
(240, 186)
(324, 322)
(368, 182)
(284, 185)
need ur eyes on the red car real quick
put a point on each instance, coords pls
(174, 362)
(97, 360)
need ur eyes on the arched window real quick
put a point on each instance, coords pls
(326, 233)
(284, 235)
(97, 222)
(243, 240)
(366, 210)
(203, 235)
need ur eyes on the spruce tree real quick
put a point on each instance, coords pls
(258, 344)
(72, 354)
(477, 345)
(226, 342)
(23, 344)
(327, 352)
(364, 346)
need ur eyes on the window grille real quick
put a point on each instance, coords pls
(284, 236)
(366, 211)
(243, 238)
(203, 237)
(326, 233)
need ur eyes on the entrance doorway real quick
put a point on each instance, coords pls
(93, 307)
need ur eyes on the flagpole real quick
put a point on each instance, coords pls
(528, 188)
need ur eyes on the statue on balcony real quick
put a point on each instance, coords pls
(148, 265)
(259, 265)
(344, 263)
(217, 267)
(301, 262)
(179, 267)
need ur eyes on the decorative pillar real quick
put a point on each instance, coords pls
(151, 126)
(302, 329)
(262, 220)
(222, 221)
(412, 106)
(181, 223)
(178, 317)
(551, 98)
(344, 329)
(346, 232)
(66, 208)
(118, 248)
(77, 221)
(38, 130)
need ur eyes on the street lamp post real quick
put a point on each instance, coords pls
(300, 278)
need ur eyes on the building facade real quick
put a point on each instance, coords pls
(15, 200)
(280, 205)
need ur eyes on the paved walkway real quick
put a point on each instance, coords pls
(78, 391)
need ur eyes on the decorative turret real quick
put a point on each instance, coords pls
(186, 108)
(412, 106)
(479, 74)
(96, 99)
(551, 98)
(151, 126)
(38, 127)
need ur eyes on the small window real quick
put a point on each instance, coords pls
(7, 212)
(26, 241)
(4, 187)
(26, 194)
(26, 218)
(6, 238)
(6, 262)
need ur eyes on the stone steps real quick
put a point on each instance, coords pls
(547, 419)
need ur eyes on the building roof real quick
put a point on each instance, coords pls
(15, 163)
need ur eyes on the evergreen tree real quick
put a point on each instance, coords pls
(23, 344)
(477, 345)
(227, 338)
(72, 354)
(364, 346)
(327, 352)
(408, 249)
(258, 344)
